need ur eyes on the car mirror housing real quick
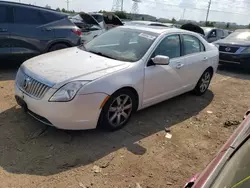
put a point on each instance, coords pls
(161, 60)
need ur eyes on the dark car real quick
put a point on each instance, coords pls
(214, 34)
(27, 30)
(231, 166)
(235, 49)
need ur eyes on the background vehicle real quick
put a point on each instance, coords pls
(214, 34)
(94, 24)
(235, 49)
(125, 69)
(147, 23)
(231, 166)
(26, 30)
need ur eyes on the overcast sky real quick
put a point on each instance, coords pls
(223, 10)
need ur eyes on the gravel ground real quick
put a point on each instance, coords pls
(34, 155)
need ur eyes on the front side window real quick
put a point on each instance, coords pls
(3, 14)
(122, 44)
(28, 16)
(236, 173)
(192, 45)
(170, 46)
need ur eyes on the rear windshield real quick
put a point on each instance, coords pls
(240, 36)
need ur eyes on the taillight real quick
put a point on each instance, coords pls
(77, 32)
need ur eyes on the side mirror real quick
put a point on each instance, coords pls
(161, 60)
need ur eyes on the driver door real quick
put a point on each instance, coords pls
(162, 82)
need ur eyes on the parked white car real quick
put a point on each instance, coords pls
(117, 73)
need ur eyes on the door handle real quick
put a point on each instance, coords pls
(47, 29)
(3, 30)
(179, 65)
(205, 58)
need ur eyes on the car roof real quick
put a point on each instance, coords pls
(31, 6)
(157, 29)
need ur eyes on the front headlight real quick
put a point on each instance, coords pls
(246, 51)
(67, 92)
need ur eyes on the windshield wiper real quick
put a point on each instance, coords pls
(101, 54)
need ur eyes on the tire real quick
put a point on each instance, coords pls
(112, 112)
(203, 83)
(58, 46)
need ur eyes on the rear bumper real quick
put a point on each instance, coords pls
(236, 59)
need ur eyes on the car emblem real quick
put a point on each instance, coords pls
(227, 49)
(26, 83)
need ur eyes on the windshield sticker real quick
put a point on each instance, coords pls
(150, 37)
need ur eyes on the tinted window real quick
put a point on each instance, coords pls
(170, 46)
(213, 33)
(99, 18)
(236, 172)
(3, 14)
(50, 16)
(220, 33)
(28, 16)
(191, 44)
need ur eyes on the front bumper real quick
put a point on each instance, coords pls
(79, 114)
(237, 59)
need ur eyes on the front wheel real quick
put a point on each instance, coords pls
(117, 110)
(203, 83)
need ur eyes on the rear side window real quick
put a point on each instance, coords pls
(192, 45)
(50, 16)
(28, 16)
(6, 14)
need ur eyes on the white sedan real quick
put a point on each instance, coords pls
(117, 73)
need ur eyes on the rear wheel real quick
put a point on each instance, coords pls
(58, 46)
(117, 110)
(203, 83)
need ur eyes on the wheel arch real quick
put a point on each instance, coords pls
(134, 91)
(68, 43)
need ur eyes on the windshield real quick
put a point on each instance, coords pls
(236, 172)
(122, 44)
(239, 36)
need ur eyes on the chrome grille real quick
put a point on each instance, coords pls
(31, 86)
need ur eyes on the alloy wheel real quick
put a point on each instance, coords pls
(205, 80)
(120, 110)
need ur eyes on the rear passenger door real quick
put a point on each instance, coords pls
(5, 19)
(195, 60)
(28, 33)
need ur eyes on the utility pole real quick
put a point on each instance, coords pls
(67, 1)
(183, 15)
(208, 9)
(122, 6)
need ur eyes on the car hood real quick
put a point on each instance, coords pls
(59, 67)
(232, 42)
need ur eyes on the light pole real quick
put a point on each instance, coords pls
(208, 9)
